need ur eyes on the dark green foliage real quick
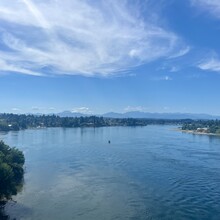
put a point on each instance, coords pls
(209, 126)
(11, 171)
(16, 122)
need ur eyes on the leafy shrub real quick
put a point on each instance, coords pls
(11, 171)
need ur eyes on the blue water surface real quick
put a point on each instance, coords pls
(152, 172)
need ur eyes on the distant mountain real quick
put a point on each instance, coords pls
(113, 115)
(138, 114)
(71, 114)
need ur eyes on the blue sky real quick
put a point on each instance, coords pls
(96, 56)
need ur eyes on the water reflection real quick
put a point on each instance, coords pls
(15, 211)
(3, 215)
(148, 172)
(214, 138)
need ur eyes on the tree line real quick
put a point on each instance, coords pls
(207, 126)
(16, 122)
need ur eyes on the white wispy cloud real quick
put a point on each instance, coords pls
(174, 69)
(181, 52)
(169, 67)
(163, 78)
(212, 64)
(80, 37)
(16, 109)
(167, 78)
(213, 6)
(84, 110)
(135, 108)
(10, 67)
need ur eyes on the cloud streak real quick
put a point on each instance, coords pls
(84, 110)
(80, 37)
(163, 78)
(135, 108)
(213, 6)
(212, 64)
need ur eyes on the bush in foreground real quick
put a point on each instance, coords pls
(11, 171)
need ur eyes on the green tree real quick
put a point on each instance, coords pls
(11, 171)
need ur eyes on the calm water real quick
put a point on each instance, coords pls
(151, 172)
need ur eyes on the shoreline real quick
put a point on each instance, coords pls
(197, 132)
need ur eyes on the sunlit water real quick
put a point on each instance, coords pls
(152, 172)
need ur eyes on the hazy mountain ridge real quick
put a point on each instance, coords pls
(138, 114)
(71, 114)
